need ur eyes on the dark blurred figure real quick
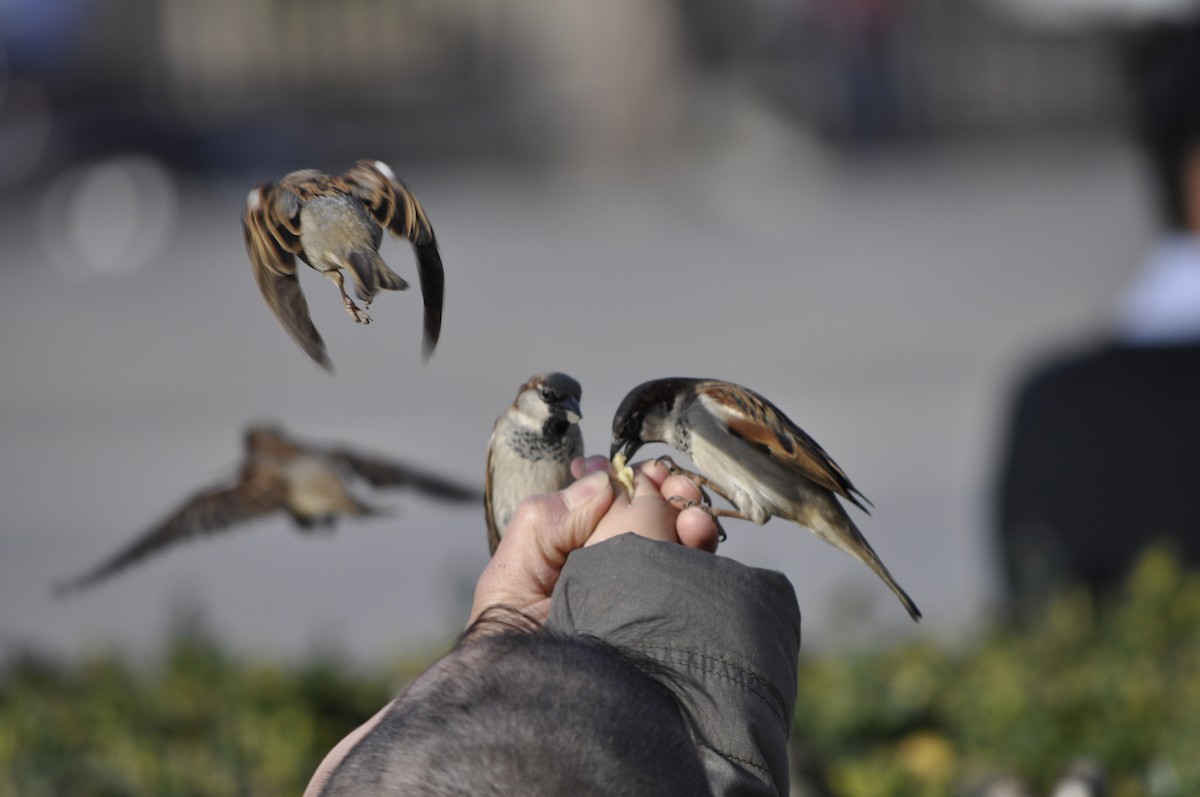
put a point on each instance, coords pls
(858, 37)
(1103, 450)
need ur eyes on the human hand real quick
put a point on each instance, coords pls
(546, 528)
(650, 514)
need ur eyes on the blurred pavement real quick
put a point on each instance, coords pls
(885, 305)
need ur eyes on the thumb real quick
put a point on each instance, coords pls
(586, 502)
(542, 533)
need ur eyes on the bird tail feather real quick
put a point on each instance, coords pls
(854, 543)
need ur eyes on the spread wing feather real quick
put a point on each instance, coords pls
(385, 473)
(272, 241)
(258, 493)
(398, 209)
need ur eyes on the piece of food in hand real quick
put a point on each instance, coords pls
(623, 473)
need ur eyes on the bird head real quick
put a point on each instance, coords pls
(649, 414)
(551, 402)
(642, 416)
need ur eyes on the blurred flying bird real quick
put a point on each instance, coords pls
(532, 445)
(277, 475)
(751, 454)
(335, 223)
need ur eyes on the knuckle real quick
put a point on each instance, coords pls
(533, 511)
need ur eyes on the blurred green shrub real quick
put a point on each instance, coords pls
(1116, 681)
(199, 722)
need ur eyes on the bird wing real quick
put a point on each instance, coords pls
(272, 231)
(386, 473)
(749, 416)
(397, 208)
(258, 493)
(488, 509)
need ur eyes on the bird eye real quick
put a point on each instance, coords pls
(548, 395)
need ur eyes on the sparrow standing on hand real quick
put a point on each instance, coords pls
(532, 446)
(336, 223)
(752, 455)
(277, 475)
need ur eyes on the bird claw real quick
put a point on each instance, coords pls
(357, 314)
(695, 478)
(706, 508)
(668, 463)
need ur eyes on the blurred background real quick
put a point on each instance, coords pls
(878, 213)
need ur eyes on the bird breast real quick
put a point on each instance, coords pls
(334, 226)
(515, 475)
(753, 484)
(315, 489)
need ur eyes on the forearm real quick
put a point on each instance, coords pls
(732, 630)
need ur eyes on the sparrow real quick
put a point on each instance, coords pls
(277, 474)
(752, 455)
(335, 223)
(532, 445)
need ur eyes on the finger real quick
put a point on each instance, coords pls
(586, 501)
(697, 529)
(654, 470)
(582, 466)
(544, 529)
(682, 486)
(643, 484)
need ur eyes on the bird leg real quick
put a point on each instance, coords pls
(351, 308)
(700, 481)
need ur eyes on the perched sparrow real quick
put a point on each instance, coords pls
(751, 454)
(336, 223)
(277, 474)
(531, 448)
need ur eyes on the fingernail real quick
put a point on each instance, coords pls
(585, 489)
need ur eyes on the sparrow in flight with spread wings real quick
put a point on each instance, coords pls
(336, 223)
(752, 455)
(277, 474)
(532, 446)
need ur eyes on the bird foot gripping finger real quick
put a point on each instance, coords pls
(675, 470)
(668, 463)
(695, 478)
(706, 508)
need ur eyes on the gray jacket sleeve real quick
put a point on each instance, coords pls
(733, 630)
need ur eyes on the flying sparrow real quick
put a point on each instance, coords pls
(532, 446)
(751, 454)
(336, 223)
(277, 475)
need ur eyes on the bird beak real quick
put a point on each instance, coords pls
(630, 446)
(571, 410)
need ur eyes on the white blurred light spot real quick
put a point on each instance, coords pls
(1084, 13)
(110, 219)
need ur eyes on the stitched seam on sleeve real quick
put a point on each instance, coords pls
(780, 707)
(749, 687)
(739, 759)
